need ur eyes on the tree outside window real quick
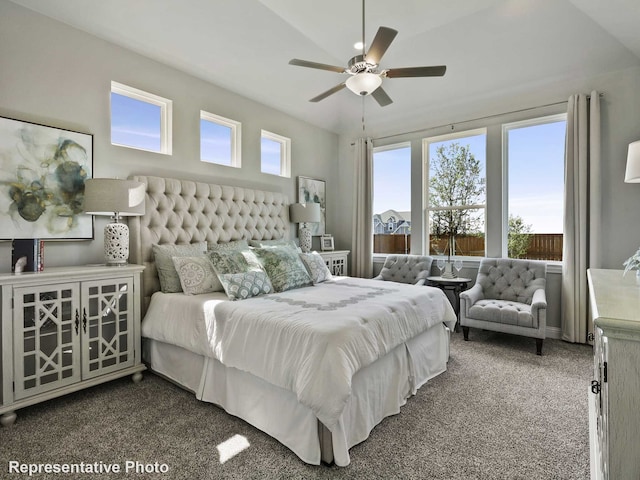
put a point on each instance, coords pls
(456, 197)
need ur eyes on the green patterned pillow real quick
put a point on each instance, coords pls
(316, 267)
(197, 275)
(274, 243)
(233, 245)
(284, 267)
(163, 254)
(240, 286)
(234, 261)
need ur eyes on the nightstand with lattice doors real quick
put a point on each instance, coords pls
(336, 261)
(65, 329)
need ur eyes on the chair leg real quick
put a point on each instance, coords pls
(538, 346)
(465, 332)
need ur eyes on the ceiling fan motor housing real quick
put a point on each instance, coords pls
(359, 64)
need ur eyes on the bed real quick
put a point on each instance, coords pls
(316, 367)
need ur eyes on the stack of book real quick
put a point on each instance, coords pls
(27, 255)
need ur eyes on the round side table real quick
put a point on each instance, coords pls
(455, 285)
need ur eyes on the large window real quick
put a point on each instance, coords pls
(533, 163)
(392, 199)
(275, 154)
(140, 120)
(455, 167)
(219, 140)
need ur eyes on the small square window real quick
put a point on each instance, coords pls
(219, 140)
(275, 154)
(140, 120)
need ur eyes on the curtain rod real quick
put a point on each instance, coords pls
(476, 119)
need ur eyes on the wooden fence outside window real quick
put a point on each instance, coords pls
(542, 246)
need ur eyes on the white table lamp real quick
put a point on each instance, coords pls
(304, 213)
(632, 174)
(114, 198)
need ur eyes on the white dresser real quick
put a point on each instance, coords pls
(614, 393)
(65, 329)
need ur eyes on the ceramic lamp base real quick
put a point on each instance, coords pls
(305, 239)
(116, 244)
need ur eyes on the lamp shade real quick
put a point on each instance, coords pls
(305, 212)
(109, 196)
(632, 174)
(363, 83)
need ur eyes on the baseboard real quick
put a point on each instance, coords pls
(553, 332)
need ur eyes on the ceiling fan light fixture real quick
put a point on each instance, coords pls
(363, 83)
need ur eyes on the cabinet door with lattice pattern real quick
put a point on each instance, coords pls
(47, 338)
(107, 326)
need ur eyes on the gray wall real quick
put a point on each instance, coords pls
(620, 221)
(55, 75)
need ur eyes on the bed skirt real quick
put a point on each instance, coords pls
(378, 390)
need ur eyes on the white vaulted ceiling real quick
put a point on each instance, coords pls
(492, 48)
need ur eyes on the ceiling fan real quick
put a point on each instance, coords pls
(364, 76)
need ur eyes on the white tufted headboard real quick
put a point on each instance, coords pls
(184, 211)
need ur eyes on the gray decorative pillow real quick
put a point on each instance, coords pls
(284, 267)
(234, 245)
(240, 286)
(234, 261)
(169, 280)
(197, 275)
(273, 243)
(316, 267)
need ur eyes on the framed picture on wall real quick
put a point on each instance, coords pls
(313, 191)
(42, 175)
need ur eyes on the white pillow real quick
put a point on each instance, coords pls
(197, 275)
(316, 267)
(169, 280)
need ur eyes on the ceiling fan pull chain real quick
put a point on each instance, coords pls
(363, 129)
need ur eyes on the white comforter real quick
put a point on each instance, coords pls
(309, 340)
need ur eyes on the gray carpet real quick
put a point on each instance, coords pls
(499, 412)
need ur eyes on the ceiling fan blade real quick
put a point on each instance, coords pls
(331, 91)
(381, 97)
(380, 43)
(320, 66)
(435, 71)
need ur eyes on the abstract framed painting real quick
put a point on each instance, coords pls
(313, 191)
(42, 175)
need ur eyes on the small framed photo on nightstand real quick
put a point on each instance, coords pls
(326, 242)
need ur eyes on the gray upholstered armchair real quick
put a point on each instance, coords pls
(412, 269)
(509, 297)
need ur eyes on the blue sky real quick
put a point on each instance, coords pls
(270, 156)
(135, 123)
(536, 175)
(215, 143)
